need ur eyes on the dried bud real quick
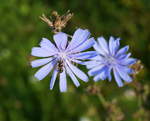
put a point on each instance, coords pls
(58, 22)
(137, 67)
(54, 13)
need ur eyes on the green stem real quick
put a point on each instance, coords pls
(102, 100)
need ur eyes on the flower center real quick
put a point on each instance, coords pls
(62, 55)
(110, 60)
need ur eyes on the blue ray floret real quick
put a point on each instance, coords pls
(111, 59)
(59, 57)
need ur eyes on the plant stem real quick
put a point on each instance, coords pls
(102, 100)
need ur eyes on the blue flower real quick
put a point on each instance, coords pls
(61, 56)
(111, 59)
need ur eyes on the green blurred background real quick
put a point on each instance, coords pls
(23, 98)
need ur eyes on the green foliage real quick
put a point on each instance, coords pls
(23, 98)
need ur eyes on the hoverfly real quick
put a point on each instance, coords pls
(60, 66)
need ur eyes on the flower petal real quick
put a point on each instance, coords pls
(109, 73)
(102, 42)
(126, 69)
(113, 45)
(128, 61)
(124, 56)
(117, 78)
(63, 82)
(99, 49)
(123, 75)
(84, 55)
(45, 70)
(53, 79)
(60, 40)
(96, 70)
(46, 44)
(102, 75)
(80, 74)
(98, 58)
(40, 52)
(78, 38)
(122, 51)
(91, 64)
(72, 76)
(40, 62)
(77, 61)
(86, 45)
